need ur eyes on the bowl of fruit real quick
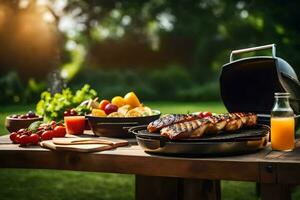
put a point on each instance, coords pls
(19, 121)
(114, 118)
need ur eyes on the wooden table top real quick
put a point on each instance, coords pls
(265, 166)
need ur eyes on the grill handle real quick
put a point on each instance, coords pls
(235, 52)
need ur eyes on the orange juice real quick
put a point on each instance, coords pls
(282, 133)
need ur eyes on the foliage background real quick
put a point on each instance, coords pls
(162, 49)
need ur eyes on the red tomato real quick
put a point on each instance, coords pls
(59, 131)
(17, 139)
(24, 140)
(103, 103)
(22, 130)
(52, 124)
(205, 114)
(34, 138)
(110, 108)
(47, 135)
(13, 136)
(73, 112)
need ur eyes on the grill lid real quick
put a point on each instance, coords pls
(249, 84)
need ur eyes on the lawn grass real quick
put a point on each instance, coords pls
(36, 184)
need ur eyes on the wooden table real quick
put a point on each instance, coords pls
(161, 177)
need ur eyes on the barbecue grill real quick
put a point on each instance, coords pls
(246, 85)
(249, 84)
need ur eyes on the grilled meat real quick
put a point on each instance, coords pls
(247, 119)
(251, 119)
(217, 123)
(169, 120)
(234, 122)
(194, 128)
(187, 126)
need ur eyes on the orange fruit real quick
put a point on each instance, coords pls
(118, 101)
(98, 113)
(103, 103)
(132, 100)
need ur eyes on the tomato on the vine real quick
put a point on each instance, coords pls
(47, 135)
(34, 138)
(59, 131)
(24, 140)
(17, 139)
(13, 136)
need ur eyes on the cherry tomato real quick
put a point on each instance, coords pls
(67, 113)
(73, 112)
(17, 139)
(21, 130)
(52, 123)
(103, 103)
(24, 140)
(27, 133)
(47, 135)
(205, 114)
(59, 131)
(13, 136)
(110, 108)
(39, 132)
(34, 138)
(40, 128)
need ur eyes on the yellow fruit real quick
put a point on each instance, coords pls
(134, 113)
(118, 101)
(124, 109)
(115, 114)
(131, 99)
(98, 113)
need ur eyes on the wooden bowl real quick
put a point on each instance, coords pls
(15, 124)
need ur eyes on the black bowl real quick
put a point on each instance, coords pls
(118, 126)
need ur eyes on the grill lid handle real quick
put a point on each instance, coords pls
(235, 52)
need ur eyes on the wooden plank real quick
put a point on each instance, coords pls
(133, 160)
(137, 162)
(154, 187)
(288, 173)
(275, 192)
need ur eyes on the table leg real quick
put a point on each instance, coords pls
(165, 188)
(201, 189)
(275, 192)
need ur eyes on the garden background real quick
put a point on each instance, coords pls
(170, 52)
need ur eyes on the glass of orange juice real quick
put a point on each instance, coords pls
(282, 124)
(75, 124)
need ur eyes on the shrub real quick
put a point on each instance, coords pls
(173, 83)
